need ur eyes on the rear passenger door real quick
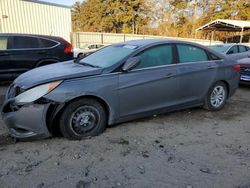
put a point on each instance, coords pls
(196, 72)
(5, 67)
(27, 51)
(24, 53)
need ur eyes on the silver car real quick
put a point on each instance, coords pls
(118, 83)
(233, 51)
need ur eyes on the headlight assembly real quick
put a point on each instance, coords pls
(35, 93)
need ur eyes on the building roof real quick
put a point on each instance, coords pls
(48, 3)
(226, 25)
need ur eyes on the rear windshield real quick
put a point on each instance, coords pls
(220, 48)
(109, 56)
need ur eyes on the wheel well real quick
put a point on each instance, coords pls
(55, 111)
(227, 85)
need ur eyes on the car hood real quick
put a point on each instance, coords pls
(54, 72)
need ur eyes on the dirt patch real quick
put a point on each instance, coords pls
(189, 148)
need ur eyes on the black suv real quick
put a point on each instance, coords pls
(22, 52)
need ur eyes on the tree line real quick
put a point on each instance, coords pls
(177, 18)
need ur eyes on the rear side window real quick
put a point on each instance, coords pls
(21, 42)
(213, 57)
(188, 53)
(93, 46)
(156, 56)
(242, 49)
(3, 43)
(44, 43)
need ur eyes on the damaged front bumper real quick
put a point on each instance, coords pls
(26, 121)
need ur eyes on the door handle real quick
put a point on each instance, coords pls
(211, 67)
(169, 75)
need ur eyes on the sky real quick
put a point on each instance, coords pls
(63, 2)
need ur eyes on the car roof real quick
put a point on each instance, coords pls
(225, 45)
(32, 35)
(144, 43)
(147, 42)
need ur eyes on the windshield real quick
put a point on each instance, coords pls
(108, 56)
(220, 48)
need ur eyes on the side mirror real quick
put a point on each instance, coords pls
(131, 63)
(230, 52)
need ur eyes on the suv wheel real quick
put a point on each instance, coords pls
(216, 97)
(83, 118)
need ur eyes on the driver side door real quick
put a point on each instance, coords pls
(151, 85)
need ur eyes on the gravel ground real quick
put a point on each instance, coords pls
(190, 148)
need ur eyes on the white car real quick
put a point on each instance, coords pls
(86, 50)
(234, 51)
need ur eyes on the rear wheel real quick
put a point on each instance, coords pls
(216, 97)
(83, 118)
(80, 55)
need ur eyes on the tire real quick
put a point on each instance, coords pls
(83, 118)
(216, 97)
(80, 55)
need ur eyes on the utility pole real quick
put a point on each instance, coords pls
(194, 17)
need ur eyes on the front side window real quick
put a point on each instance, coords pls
(3, 43)
(188, 53)
(156, 56)
(233, 50)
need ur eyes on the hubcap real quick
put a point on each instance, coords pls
(84, 119)
(218, 96)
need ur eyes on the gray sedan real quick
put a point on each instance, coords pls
(118, 83)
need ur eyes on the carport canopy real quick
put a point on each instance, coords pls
(227, 25)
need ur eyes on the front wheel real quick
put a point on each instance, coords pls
(216, 97)
(83, 118)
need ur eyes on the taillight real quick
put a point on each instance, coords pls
(68, 49)
(236, 68)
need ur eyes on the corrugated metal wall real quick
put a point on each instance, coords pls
(18, 16)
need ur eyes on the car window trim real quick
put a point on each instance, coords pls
(176, 64)
(11, 38)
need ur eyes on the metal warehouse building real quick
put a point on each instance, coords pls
(35, 17)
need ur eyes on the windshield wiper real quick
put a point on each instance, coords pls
(85, 64)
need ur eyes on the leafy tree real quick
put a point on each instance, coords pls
(126, 16)
(158, 17)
